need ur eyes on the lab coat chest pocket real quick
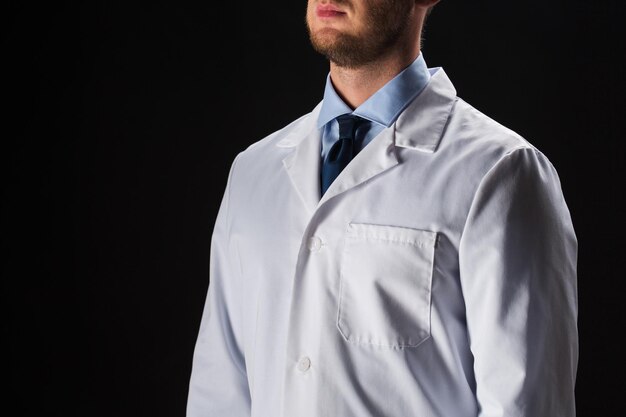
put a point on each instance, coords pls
(385, 285)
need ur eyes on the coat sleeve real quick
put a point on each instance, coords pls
(218, 384)
(518, 256)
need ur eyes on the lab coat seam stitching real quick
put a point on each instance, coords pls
(418, 244)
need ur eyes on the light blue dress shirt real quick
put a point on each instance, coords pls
(381, 109)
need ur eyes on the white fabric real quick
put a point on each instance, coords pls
(436, 276)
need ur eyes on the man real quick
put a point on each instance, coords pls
(433, 275)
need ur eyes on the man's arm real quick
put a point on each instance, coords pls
(219, 385)
(518, 256)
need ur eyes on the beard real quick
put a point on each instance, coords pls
(382, 27)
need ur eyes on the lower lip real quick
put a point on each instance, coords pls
(328, 13)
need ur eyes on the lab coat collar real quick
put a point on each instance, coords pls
(419, 127)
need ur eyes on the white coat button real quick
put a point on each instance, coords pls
(304, 364)
(315, 244)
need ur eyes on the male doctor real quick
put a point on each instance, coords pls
(392, 253)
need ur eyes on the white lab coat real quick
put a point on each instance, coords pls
(436, 276)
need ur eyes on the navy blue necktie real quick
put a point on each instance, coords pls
(342, 151)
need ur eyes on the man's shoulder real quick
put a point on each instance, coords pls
(480, 129)
(266, 154)
(278, 137)
(478, 143)
(439, 119)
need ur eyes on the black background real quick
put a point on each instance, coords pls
(120, 124)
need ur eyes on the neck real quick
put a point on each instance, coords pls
(355, 85)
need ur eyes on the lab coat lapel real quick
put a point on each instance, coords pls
(376, 158)
(303, 164)
(419, 127)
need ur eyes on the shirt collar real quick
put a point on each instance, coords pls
(384, 106)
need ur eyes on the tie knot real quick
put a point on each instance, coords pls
(348, 124)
